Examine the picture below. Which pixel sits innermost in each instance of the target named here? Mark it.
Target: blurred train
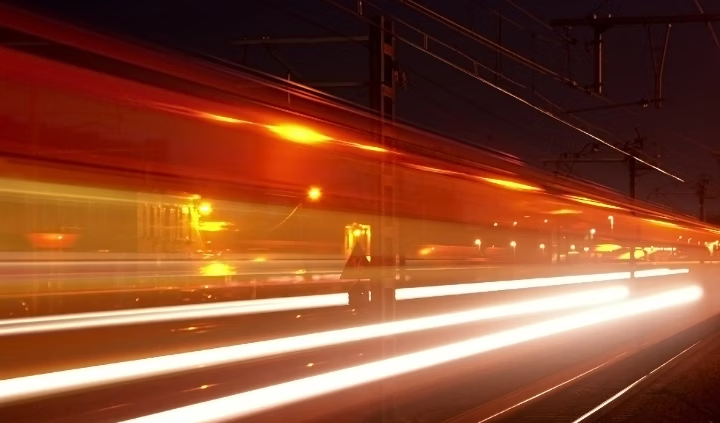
(118, 152)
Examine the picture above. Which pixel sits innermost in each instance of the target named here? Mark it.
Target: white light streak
(51, 383)
(481, 287)
(162, 314)
(77, 321)
(263, 399)
(659, 272)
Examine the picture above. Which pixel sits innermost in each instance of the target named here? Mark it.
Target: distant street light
(205, 209)
(314, 193)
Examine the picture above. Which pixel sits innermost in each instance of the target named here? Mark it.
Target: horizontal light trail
(29, 325)
(481, 287)
(659, 272)
(77, 321)
(252, 402)
(51, 383)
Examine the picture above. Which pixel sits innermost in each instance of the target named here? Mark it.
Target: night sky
(682, 136)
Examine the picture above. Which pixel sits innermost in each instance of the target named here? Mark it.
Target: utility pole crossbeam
(632, 149)
(632, 168)
(600, 25)
(642, 103)
(700, 192)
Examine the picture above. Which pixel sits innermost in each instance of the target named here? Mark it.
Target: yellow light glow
(432, 169)
(217, 269)
(565, 211)
(314, 193)
(517, 186)
(298, 134)
(220, 118)
(213, 226)
(607, 248)
(205, 209)
(426, 251)
(662, 223)
(591, 202)
(367, 147)
(513, 244)
(357, 232)
(638, 255)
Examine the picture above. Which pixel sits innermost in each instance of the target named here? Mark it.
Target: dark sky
(683, 133)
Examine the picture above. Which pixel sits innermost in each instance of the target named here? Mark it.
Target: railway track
(674, 380)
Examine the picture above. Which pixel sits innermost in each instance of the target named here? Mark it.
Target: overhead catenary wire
(486, 41)
(584, 122)
(528, 103)
(588, 124)
(465, 31)
(469, 101)
(515, 23)
(319, 22)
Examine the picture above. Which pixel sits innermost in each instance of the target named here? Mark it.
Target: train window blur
(120, 178)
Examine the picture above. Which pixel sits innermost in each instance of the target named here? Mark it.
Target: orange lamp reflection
(314, 193)
(205, 209)
(591, 202)
(517, 186)
(298, 134)
(213, 226)
(220, 118)
(565, 211)
(52, 240)
(607, 248)
(662, 223)
(426, 251)
(217, 269)
(432, 169)
(368, 147)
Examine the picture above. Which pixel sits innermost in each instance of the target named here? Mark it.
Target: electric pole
(633, 149)
(601, 24)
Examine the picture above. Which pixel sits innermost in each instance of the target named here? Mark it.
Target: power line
(315, 21)
(474, 75)
(465, 31)
(485, 41)
(451, 24)
(472, 103)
